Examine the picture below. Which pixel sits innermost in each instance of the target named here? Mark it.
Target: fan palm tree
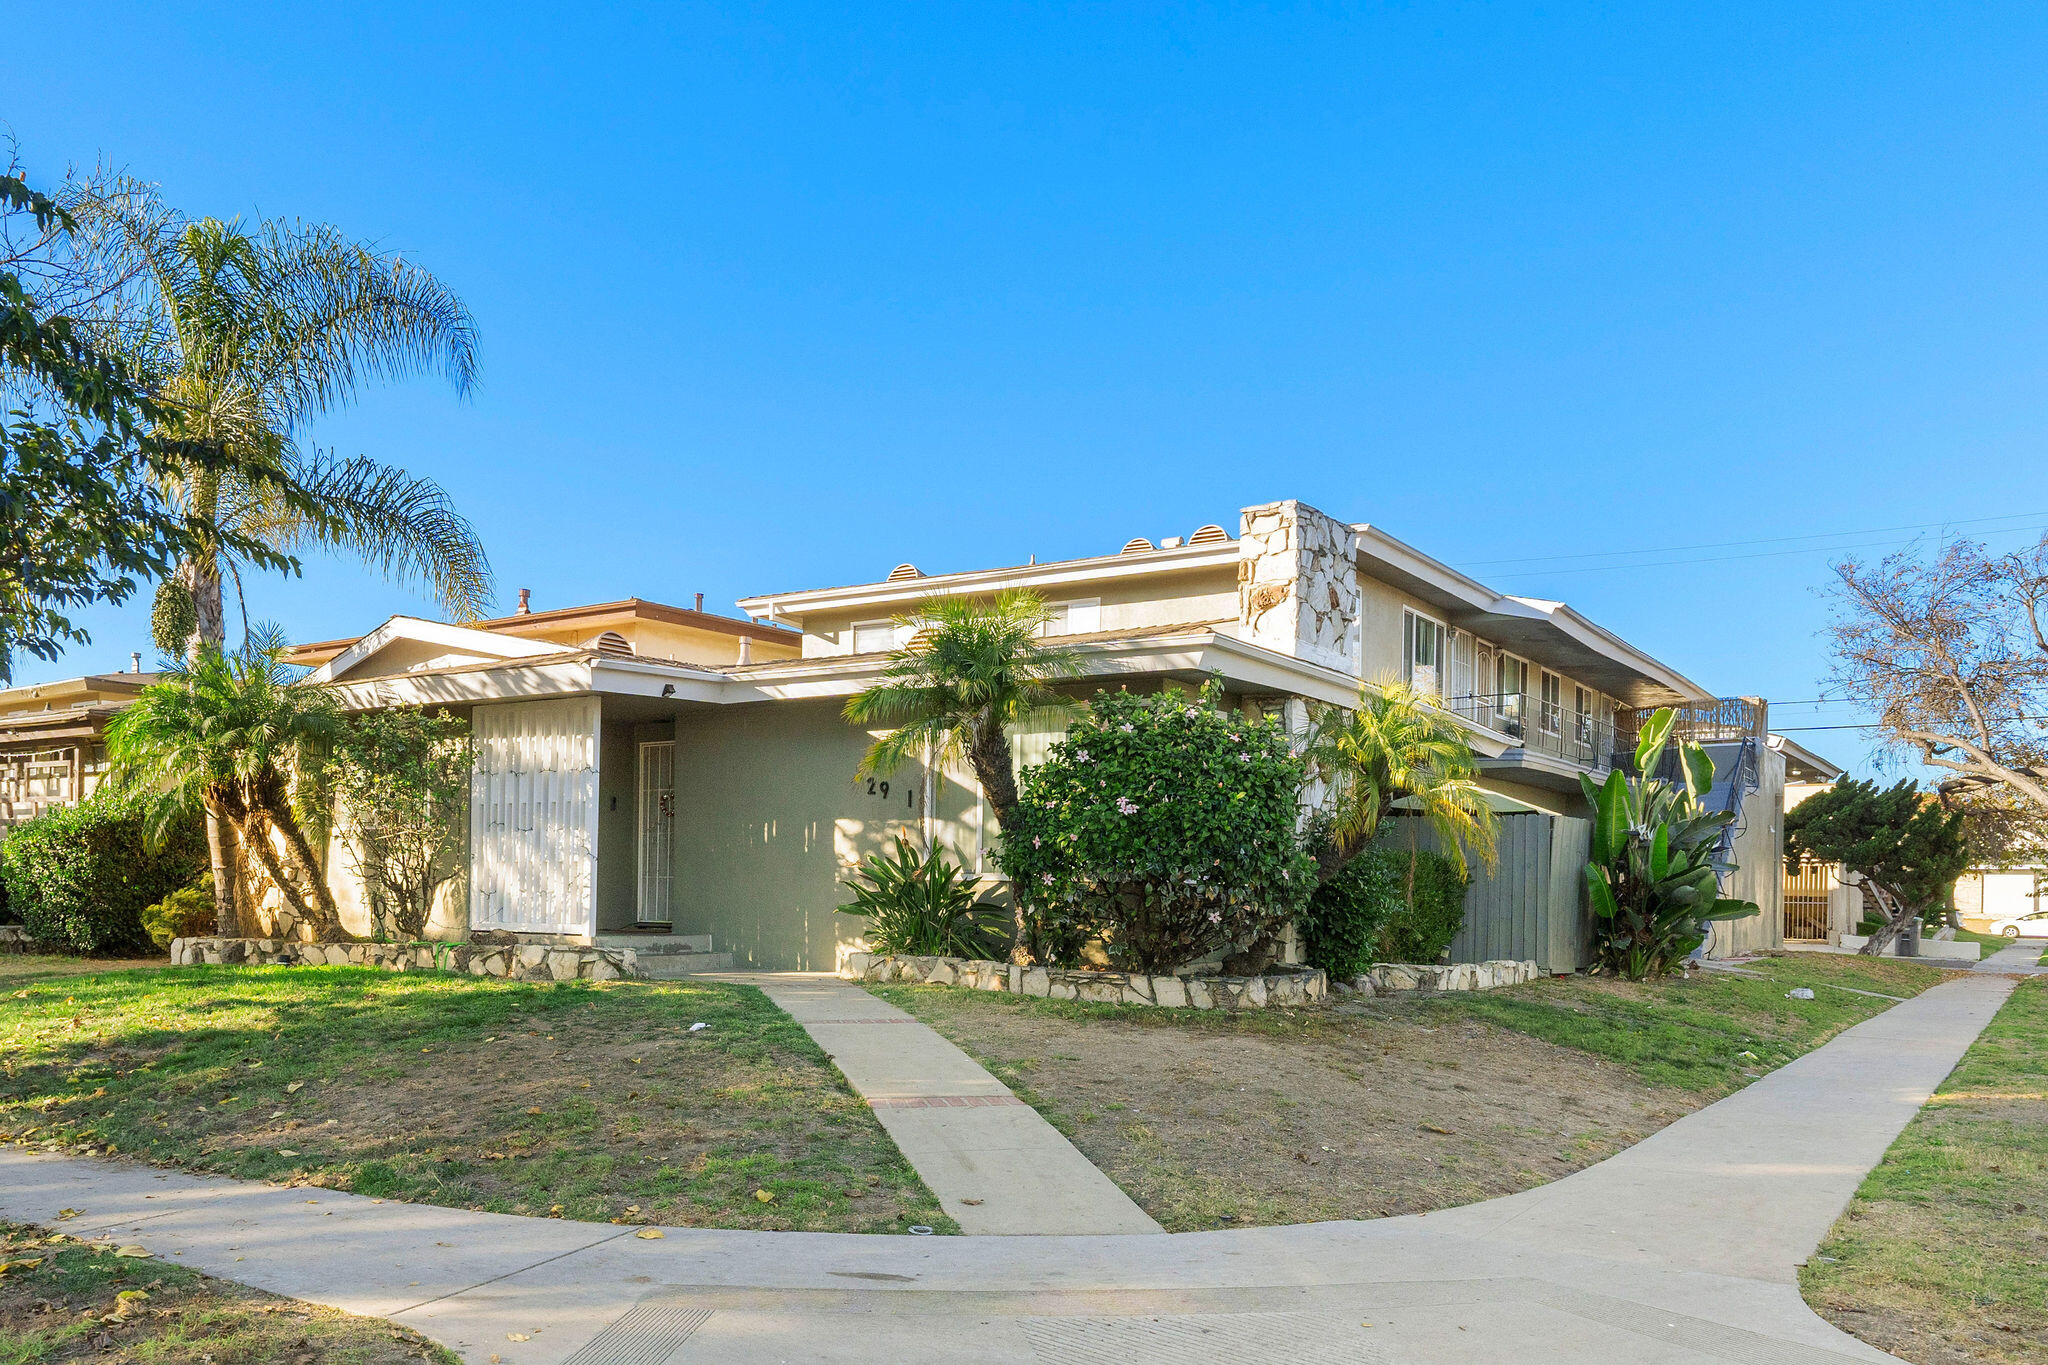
(233, 736)
(971, 669)
(247, 336)
(1398, 743)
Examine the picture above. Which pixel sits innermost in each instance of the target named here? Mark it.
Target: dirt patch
(1344, 1112)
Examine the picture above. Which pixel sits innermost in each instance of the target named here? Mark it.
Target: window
(1511, 676)
(1423, 651)
(874, 637)
(1553, 707)
(1585, 707)
(1073, 618)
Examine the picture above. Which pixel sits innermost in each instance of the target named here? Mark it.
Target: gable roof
(468, 639)
(595, 615)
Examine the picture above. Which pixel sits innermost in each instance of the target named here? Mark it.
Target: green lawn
(62, 1299)
(1943, 1255)
(573, 1099)
(1710, 1033)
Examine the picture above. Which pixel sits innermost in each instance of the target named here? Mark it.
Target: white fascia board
(467, 687)
(1372, 546)
(1603, 641)
(1063, 573)
(484, 642)
(640, 678)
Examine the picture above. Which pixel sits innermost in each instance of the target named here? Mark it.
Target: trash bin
(1908, 942)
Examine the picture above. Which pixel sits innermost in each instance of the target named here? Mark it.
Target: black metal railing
(1579, 737)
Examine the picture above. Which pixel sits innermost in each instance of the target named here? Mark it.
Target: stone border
(1387, 977)
(14, 939)
(1297, 986)
(512, 962)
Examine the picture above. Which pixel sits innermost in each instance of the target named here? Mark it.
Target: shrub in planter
(922, 904)
(1429, 906)
(81, 876)
(1165, 826)
(1340, 931)
(186, 913)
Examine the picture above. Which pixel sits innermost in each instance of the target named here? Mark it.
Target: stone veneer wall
(1454, 976)
(513, 962)
(1297, 588)
(1299, 987)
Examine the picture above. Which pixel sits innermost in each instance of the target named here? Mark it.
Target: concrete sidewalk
(1682, 1250)
(2022, 958)
(995, 1164)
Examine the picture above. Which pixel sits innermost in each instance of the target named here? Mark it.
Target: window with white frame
(1553, 706)
(1586, 704)
(1083, 617)
(1422, 640)
(874, 637)
(1511, 684)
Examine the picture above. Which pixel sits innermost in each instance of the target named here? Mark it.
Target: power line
(1768, 540)
(1761, 554)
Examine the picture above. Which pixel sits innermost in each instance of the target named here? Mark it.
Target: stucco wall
(768, 820)
(1760, 866)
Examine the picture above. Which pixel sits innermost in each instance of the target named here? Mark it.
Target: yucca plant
(1651, 881)
(922, 903)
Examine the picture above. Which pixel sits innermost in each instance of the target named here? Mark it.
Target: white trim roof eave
(484, 642)
(1384, 557)
(906, 592)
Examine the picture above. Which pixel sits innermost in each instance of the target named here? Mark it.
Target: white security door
(657, 829)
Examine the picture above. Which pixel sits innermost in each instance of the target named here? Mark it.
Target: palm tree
(1398, 743)
(233, 736)
(970, 670)
(247, 336)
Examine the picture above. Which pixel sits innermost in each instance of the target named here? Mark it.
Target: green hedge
(82, 876)
(1363, 915)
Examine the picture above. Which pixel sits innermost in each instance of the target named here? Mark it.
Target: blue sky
(776, 297)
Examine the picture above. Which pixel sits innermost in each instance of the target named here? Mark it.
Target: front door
(657, 830)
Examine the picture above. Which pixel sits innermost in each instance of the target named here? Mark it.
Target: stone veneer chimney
(1297, 584)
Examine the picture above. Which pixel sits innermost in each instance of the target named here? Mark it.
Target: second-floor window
(1553, 706)
(1424, 646)
(874, 637)
(1072, 618)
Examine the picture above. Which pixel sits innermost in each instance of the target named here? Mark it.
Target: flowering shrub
(1162, 825)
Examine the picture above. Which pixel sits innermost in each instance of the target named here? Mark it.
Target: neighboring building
(644, 766)
(1821, 902)
(51, 752)
(1989, 898)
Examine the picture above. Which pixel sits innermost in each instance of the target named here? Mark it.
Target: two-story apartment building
(642, 766)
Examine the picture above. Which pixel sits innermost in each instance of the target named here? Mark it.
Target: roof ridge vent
(614, 645)
(1212, 534)
(902, 572)
(1135, 545)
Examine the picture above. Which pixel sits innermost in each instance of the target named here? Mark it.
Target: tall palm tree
(970, 670)
(247, 336)
(1398, 743)
(233, 736)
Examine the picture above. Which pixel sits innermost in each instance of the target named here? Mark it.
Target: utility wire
(1761, 554)
(1768, 540)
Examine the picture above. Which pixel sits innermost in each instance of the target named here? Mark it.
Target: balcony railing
(1581, 738)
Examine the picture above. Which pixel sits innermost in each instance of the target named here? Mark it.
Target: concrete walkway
(1681, 1250)
(994, 1163)
(2023, 958)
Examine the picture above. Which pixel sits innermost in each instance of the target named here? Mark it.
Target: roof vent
(614, 645)
(902, 572)
(1170, 542)
(1211, 534)
(1135, 545)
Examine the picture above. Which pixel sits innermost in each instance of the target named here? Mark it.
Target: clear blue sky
(779, 298)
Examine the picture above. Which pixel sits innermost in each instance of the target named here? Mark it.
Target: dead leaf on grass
(1432, 1128)
(764, 1196)
(131, 1252)
(295, 1087)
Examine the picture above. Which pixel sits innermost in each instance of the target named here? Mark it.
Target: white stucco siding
(533, 816)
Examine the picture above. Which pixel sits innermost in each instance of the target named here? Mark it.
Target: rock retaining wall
(1452, 976)
(1296, 987)
(513, 962)
(14, 939)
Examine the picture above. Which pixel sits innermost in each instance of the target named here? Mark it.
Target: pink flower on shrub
(1126, 806)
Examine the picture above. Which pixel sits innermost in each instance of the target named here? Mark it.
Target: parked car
(2024, 924)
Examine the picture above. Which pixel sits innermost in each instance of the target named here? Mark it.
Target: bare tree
(1949, 650)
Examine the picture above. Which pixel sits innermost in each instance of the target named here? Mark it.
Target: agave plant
(1651, 881)
(922, 903)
